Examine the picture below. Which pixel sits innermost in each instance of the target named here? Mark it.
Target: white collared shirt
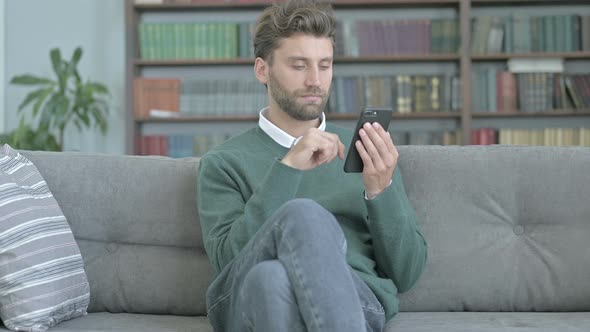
(279, 135)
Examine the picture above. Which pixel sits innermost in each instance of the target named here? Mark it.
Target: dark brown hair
(282, 20)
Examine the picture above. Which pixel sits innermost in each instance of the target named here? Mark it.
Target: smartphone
(353, 162)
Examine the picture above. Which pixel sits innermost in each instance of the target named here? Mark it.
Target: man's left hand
(379, 156)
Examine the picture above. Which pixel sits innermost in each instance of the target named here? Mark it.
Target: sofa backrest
(136, 222)
(508, 227)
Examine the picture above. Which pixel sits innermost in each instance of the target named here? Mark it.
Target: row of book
(492, 91)
(177, 146)
(183, 146)
(159, 41)
(521, 34)
(216, 40)
(222, 97)
(503, 91)
(536, 137)
(403, 93)
(396, 37)
(170, 97)
(182, 2)
(491, 34)
(488, 136)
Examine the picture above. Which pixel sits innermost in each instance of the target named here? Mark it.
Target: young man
(297, 244)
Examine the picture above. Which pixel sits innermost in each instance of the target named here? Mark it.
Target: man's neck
(293, 127)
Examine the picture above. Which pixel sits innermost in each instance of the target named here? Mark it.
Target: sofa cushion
(507, 227)
(103, 321)
(136, 221)
(489, 322)
(42, 278)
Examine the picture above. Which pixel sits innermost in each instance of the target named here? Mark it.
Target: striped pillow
(42, 277)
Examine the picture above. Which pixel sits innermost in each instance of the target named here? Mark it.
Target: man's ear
(261, 69)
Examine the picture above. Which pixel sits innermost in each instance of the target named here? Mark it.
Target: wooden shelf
(193, 62)
(517, 114)
(370, 59)
(503, 57)
(213, 5)
(337, 60)
(399, 116)
(394, 3)
(399, 58)
(527, 2)
(329, 116)
(200, 118)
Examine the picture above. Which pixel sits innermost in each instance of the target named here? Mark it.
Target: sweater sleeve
(228, 221)
(400, 249)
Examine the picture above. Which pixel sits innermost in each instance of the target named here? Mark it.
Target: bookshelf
(549, 17)
(461, 64)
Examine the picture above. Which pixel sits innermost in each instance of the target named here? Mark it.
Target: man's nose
(313, 77)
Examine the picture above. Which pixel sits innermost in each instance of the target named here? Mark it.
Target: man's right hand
(315, 148)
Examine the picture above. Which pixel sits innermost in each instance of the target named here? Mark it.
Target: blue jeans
(293, 276)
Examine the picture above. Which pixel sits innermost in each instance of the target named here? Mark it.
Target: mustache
(315, 92)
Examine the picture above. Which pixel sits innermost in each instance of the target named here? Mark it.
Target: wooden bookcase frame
(464, 58)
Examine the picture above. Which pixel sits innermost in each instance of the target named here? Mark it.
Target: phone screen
(353, 162)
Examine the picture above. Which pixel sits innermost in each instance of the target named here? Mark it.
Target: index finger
(386, 136)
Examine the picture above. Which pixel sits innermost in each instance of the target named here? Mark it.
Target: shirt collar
(277, 134)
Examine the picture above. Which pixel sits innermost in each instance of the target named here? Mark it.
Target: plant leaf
(85, 118)
(61, 68)
(20, 132)
(30, 97)
(6, 138)
(39, 102)
(76, 56)
(30, 80)
(61, 113)
(56, 61)
(78, 79)
(98, 87)
(104, 105)
(48, 112)
(99, 117)
(71, 66)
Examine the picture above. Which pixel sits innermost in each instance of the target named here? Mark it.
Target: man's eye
(326, 67)
(299, 67)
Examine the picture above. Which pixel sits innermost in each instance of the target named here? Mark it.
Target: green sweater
(242, 182)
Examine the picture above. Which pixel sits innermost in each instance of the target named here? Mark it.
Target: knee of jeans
(266, 281)
(308, 216)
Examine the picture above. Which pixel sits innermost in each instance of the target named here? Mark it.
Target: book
(535, 65)
(507, 94)
(162, 94)
(151, 145)
(148, 2)
(584, 26)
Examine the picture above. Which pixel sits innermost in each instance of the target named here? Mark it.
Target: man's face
(300, 76)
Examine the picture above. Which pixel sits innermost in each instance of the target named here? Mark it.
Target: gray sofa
(508, 231)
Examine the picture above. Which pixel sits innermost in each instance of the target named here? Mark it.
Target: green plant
(62, 100)
(26, 138)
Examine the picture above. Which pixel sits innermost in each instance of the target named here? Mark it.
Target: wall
(2, 33)
(33, 27)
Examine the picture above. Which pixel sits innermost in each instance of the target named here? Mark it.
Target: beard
(304, 111)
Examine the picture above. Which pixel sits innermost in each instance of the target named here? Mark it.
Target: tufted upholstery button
(518, 230)
(112, 247)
